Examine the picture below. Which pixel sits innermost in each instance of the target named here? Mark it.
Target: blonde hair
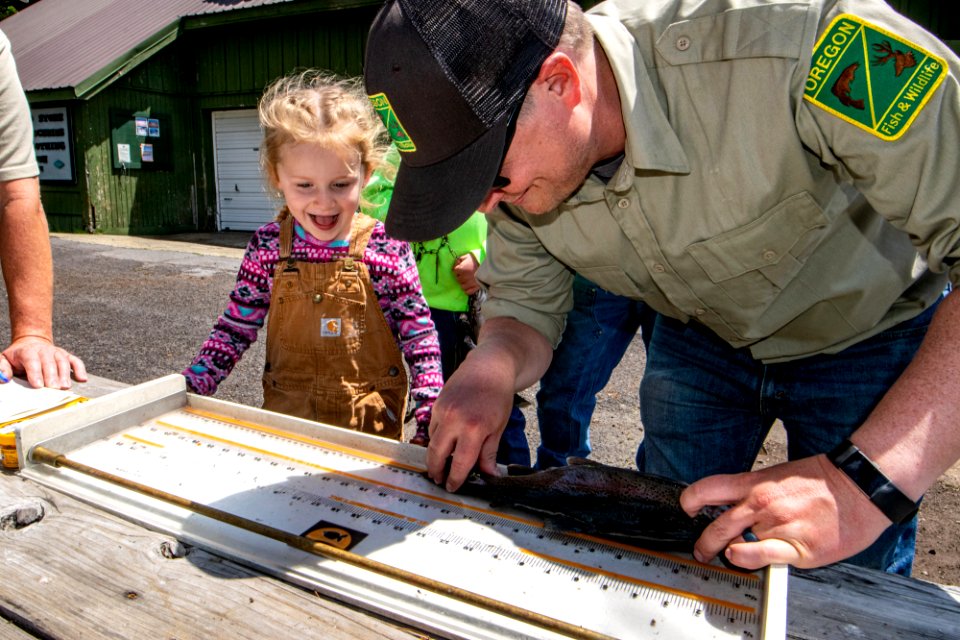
(319, 108)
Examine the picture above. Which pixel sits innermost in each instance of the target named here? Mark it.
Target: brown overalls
(331, 356)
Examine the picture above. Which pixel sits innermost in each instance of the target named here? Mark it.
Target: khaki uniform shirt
(17, 159)
(740, 204)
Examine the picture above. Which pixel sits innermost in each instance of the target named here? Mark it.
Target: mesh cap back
(445, 75)
(490, 51)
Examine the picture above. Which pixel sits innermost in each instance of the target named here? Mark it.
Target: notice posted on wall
(52, 142)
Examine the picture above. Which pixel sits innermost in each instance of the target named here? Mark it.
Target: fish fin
(519, 470)
(555, 525)
(574, 461)
(560, 523)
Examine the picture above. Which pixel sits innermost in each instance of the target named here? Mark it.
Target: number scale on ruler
(390, 513)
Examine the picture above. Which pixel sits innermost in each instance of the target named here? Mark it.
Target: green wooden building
(144, 110)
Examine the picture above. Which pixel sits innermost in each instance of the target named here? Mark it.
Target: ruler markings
(463, 505)
(554, 563)
(423, 527)
(370, 457)
(288, 435)
(314, 443)
(143, 441)
(370, 507)
(645, 583)
(606, 579)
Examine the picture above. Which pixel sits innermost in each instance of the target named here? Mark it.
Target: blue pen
(3, 378)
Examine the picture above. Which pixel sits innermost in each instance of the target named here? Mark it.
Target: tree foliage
(10, 7)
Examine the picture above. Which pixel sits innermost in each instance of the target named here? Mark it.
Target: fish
(597, 499)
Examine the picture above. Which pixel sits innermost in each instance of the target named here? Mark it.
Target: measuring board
(367, 496)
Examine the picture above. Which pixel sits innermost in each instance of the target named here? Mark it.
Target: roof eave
(121, 66)
(202, 21)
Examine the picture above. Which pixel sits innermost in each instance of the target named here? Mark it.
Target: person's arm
(472, 410)
(237, 327)
(808, 513)
(28, 275)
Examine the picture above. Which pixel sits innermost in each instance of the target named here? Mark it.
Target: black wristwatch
(882, 493)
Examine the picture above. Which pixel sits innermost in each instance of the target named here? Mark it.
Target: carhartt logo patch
(330, 327)
(390, 120)
(871, 78)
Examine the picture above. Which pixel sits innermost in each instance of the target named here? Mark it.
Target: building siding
(204, 70)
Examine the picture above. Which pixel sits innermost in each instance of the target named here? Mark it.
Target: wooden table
(80, 572)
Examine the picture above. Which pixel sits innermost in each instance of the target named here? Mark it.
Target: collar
(651, 142)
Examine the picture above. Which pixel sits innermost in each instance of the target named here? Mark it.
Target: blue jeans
(599, 329)
(706, 407)
(514, 448)
(451, 332)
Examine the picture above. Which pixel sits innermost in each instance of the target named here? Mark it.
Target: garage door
(244, 204)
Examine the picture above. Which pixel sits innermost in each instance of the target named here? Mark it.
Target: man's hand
(472, 410)
(43, 363)
(467, 421)
(805, 513)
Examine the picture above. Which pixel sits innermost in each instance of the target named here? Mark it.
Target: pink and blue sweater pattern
(393, 274)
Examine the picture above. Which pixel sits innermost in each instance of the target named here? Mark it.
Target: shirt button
(700, 311)
(683, 43)
(769, 255)
(318, 297)
(659, 268)
(623, 203)
(393, 372)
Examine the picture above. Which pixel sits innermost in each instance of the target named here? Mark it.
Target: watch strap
(865, 474)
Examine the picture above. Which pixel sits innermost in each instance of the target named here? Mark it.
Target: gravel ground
(135, 309)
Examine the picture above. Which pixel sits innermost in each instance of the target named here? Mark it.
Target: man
(25, 247)
(784, 198)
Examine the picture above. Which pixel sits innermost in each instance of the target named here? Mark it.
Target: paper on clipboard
(19, 402)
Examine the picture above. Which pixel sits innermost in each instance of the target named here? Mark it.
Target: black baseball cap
(446, 76)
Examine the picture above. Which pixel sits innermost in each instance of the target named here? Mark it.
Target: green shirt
(740, 204)
(435, 258)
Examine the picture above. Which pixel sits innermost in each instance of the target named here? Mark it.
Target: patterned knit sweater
(393, 274)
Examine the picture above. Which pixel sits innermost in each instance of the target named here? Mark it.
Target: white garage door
(244, 204)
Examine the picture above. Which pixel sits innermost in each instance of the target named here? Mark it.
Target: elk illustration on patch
(870, 77)
(901, 60)
(841, 88)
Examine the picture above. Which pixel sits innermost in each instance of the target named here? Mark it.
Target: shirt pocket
(752, 264)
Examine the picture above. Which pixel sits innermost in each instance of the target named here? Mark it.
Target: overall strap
(363, 226)
(349, 274)
(286, 243)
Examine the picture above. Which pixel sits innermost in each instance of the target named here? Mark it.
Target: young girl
(343, 299)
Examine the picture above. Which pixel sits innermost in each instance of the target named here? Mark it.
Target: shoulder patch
(870, 77)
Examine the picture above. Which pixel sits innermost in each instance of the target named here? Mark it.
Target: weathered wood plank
(843, 601)
(10, 631)
(79, 572)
